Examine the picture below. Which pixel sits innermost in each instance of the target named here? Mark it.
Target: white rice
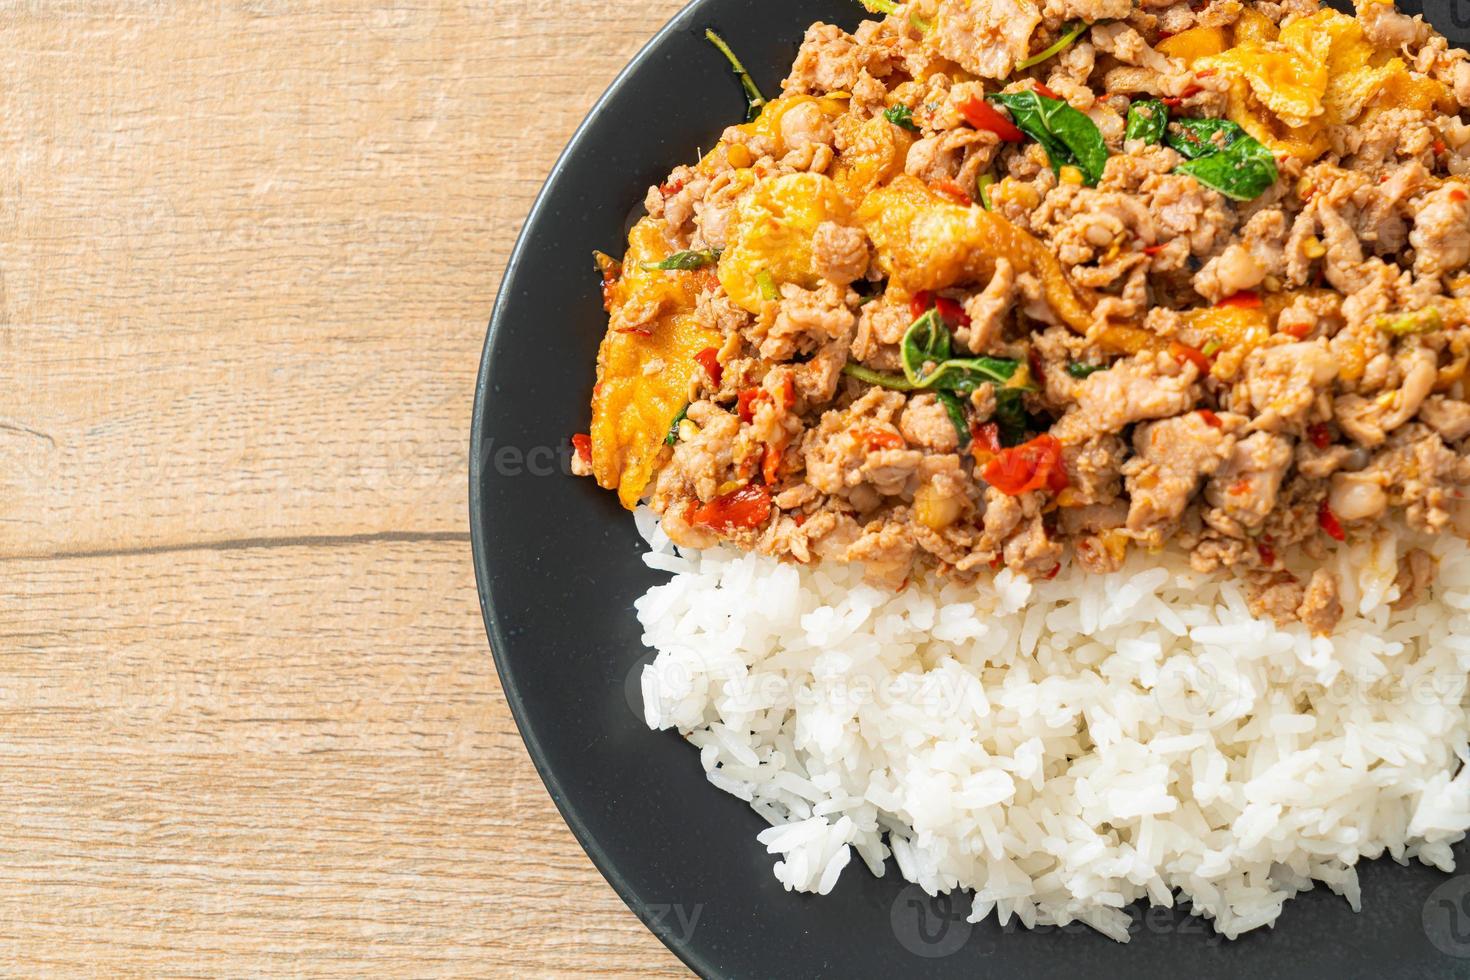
(1065, 748)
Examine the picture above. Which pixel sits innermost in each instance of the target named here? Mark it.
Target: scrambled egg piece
(645, 364)
(875, 153)
(1196, 43)
(769, 241)
(926, 242)
(1287, 87)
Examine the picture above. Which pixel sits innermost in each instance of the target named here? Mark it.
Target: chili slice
(951, 311)
(1184, 352)
(876, 439)
(745, 403)
(983, 116)
(1329, 522)
(1034, 465)
(709, 359)
(771, 464)
(582, 443)
(1211, 419)
(747, 507)
(788, 391)
(1320, 435)
(984, 440)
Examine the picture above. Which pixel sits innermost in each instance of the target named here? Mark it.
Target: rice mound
(1066, 748)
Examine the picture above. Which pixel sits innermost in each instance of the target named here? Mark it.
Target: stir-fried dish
(1003, 283)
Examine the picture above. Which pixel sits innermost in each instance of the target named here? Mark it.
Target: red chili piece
(745, 403)
(1184, 352)
(747, 507)
(1330, 523)
(709, 359)
(983, 116)
(1034, 465)
(582, 443)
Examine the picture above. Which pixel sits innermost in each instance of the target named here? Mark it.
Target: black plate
(558, 567)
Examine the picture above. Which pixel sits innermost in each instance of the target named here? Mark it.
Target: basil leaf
(1242, 172)
(1066, 134)
(673, 435)
(963, 376)
(902, 116)
(956, 411)
(685, 261)
(754, 101)
(1147, 120)
(1195, 138)
(1079, 370)
(880, 6)
(926, 340)
(1010, 416)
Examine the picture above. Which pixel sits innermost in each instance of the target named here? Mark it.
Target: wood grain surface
(248, 721)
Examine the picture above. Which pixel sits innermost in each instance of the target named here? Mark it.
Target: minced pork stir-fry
(998, 282)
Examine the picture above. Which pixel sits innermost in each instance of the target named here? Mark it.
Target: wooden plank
(248, 250)
(279, 760)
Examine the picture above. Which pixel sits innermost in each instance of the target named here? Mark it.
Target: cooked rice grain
(1066, 748)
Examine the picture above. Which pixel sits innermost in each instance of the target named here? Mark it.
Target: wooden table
(250, 722)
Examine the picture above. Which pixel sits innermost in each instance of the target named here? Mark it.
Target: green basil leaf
(1147, 120)
(902, 116)
(963, 376)
(1079, 370)
(673, 435)
(880, 6)
(925, 341)
(1195, 138)
(1066, 134)
(1010, 416)
(685, 261)
(754, 100)
(1242, 172)
(955, 408)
